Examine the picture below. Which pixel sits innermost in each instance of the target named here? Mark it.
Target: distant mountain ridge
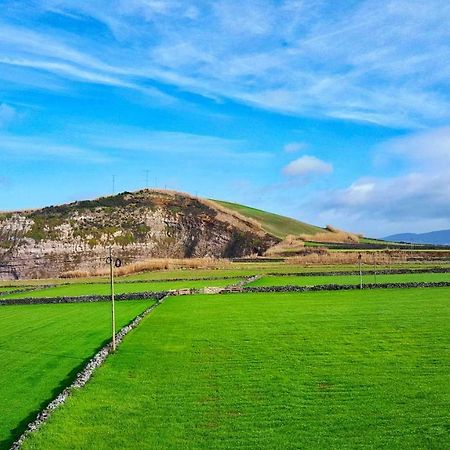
(441, 237)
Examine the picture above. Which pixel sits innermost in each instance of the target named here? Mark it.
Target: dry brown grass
(323, 256)
(289, 244)
(152, 265)
(234, 217)
(332, 235)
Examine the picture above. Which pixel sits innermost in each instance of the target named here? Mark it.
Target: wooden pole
(374, 267)
(113, 310)
(360, 272)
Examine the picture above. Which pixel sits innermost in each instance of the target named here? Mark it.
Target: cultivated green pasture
(349, 279)
(120, 288)
(41, 349)
(249, 269)
(317, 370)
(231, 270)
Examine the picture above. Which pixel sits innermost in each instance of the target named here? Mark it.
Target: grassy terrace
(349, 279)
(41, 349)
(249, 269)
(274, 224)
(354, 369)
(74, 290)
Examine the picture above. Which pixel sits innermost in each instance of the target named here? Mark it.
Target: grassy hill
(275, 224)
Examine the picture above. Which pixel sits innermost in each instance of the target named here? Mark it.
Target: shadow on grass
(67, 381)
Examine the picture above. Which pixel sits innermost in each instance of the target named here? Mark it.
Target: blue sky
(331, 112)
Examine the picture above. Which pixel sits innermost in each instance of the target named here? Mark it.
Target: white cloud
(430, 148)
(294, 147)
(416, 200)
(307, 166)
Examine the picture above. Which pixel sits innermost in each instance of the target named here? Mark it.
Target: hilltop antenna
(113, 184)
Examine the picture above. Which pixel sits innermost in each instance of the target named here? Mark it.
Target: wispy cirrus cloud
(42, 148)
(294, 147)
(66, 56)
(124, 140)
(108, 143)
(347, 61)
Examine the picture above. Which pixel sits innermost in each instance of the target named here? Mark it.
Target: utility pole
(360, 272)
(112, 264)
(374, 267)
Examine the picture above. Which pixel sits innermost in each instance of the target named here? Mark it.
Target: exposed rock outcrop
(139, 225)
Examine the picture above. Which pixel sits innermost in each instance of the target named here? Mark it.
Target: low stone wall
(225, 290)
(82, 378)
(167, 280)
(83, 299)
(343, 287)
(364, 272)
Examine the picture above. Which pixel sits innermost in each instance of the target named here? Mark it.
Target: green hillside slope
(275, 224)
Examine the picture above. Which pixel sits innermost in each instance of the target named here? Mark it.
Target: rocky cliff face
(139, 225)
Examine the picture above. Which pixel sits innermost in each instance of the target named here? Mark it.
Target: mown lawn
(41, 349)
(320, 370)
(349, 279)
(120, 288)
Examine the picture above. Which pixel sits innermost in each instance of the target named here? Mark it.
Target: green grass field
(120, 288)
(41, 349)
(321, 370)
(279, 226)
(349, 279)
(247, 269)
